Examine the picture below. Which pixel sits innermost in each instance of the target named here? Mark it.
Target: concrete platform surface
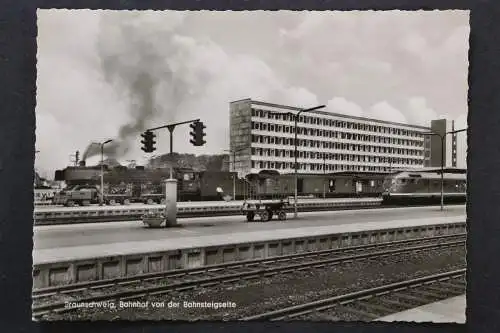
(451, 310)
(184, 238)
(62, 236)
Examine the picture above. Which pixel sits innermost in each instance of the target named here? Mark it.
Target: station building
(262, 138)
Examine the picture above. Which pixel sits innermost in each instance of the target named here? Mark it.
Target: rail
(54, 299)
(373, 299)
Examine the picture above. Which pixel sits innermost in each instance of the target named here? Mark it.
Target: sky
(111, 74)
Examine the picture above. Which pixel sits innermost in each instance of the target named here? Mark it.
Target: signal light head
(197, 133)
(148, 142)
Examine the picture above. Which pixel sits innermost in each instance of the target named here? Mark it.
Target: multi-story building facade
(262, 138)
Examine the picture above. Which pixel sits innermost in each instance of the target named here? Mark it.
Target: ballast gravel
(245, 298)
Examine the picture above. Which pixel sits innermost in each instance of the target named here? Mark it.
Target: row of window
(316, 166)
(378, 140)
(330, 156)
(308, 119)
(335, 145)
(333, 134)
(371, 159)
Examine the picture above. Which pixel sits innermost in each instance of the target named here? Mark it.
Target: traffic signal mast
(197, 134)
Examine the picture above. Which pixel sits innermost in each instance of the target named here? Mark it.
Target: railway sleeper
(400, 305)
(376, 307)
(352, 309)
(411, 298)
(444, 289)
(431, 294)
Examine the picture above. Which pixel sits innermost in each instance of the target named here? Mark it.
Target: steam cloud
(141, 57)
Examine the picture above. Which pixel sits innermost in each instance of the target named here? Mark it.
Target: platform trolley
(265, 209)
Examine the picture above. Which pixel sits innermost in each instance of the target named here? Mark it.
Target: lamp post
(234, 167)
(324, 173)
(295, 166)
(102, 170)
(442, 137)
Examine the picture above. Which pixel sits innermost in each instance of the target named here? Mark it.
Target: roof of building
(293, 108)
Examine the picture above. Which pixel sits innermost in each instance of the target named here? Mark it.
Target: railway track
(374, 303)
(181, 215)
(56, 299)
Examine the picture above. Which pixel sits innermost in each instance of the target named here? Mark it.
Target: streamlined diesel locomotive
(425, 187)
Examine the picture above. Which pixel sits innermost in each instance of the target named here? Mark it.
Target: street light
(442, 137)
(234, 167)
(324, 172)
(102, 170)
(295, 166)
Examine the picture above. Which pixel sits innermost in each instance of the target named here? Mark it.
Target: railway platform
(451, 310)
(65, 237)
(65, 255)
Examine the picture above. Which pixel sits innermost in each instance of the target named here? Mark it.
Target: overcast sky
(110, 74)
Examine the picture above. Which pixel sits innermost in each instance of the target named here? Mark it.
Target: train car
(340, 184)
(414, 188)
(267, 184)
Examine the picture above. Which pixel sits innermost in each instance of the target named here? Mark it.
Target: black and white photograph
(253, 165)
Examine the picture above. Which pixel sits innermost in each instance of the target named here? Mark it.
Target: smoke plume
(142, 58)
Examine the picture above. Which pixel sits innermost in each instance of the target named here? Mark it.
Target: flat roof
(293, 108)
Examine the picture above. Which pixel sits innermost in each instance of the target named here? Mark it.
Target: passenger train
(424, 188)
